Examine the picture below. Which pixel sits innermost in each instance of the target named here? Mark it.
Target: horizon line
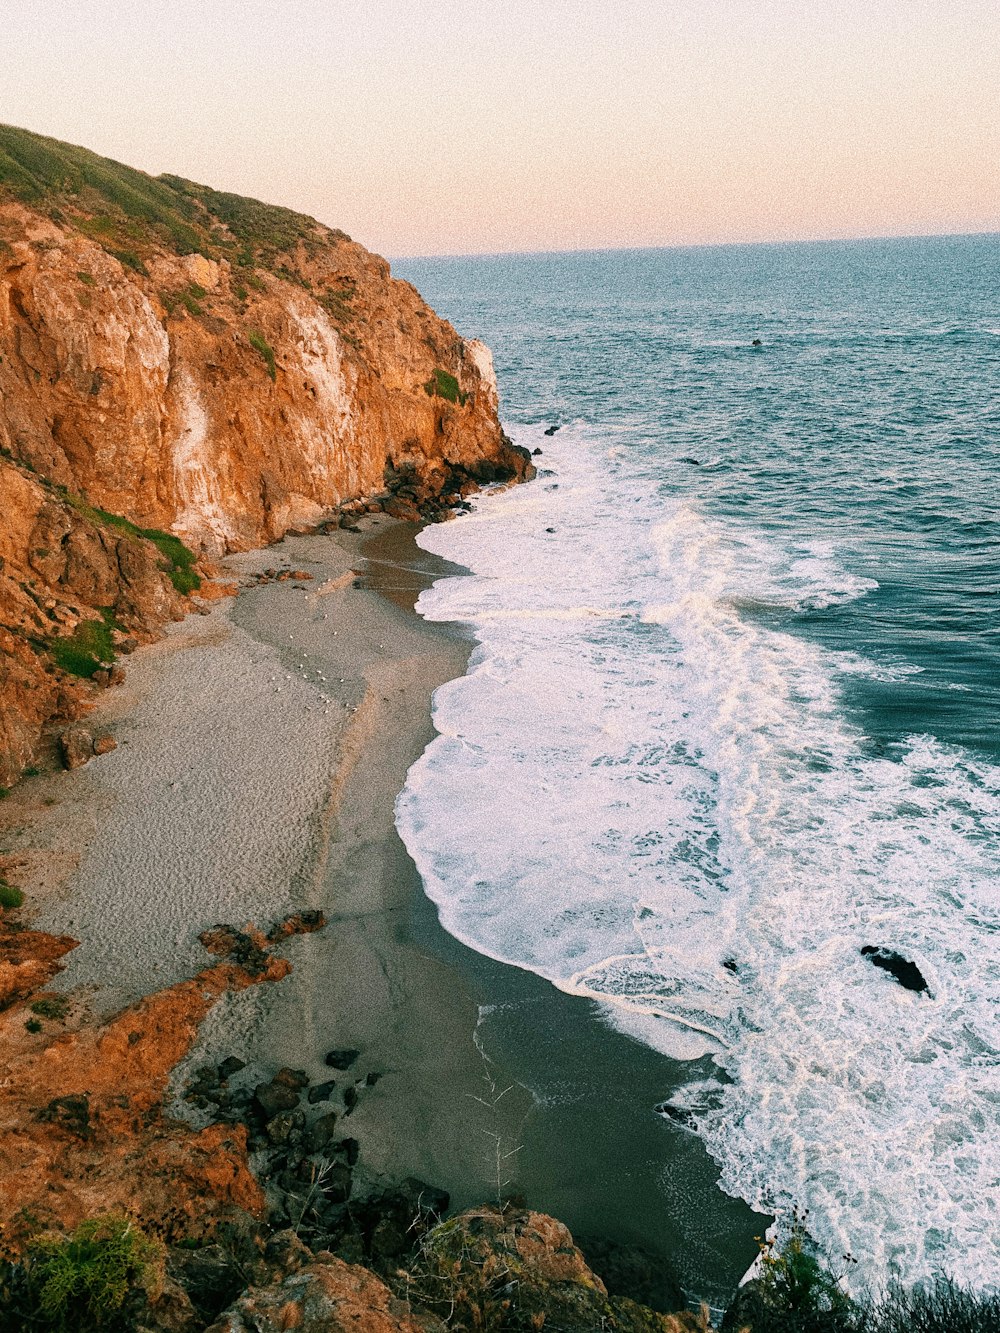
(693, 245)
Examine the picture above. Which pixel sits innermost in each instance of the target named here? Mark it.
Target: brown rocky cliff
(202, 365)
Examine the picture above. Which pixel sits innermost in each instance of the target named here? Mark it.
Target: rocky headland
(183, 373)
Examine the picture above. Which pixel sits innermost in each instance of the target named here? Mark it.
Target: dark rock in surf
(901, 969)
(694, 462)
(756, 343)
(551, 430)
(535, 453)
(677, 1114)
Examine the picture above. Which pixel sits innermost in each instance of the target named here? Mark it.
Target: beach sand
(261, 748)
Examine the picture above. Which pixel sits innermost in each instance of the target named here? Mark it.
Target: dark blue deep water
(740, 650)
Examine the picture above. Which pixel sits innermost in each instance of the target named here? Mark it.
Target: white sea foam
(684, 825)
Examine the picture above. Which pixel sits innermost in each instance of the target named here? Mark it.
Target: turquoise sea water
(735, 704)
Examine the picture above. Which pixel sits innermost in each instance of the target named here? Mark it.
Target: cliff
(182, 368)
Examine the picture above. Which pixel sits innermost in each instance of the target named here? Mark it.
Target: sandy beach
(260, 750)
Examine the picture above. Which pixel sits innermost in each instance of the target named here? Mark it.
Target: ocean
(733, 714)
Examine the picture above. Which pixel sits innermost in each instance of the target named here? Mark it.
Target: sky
(427, 127)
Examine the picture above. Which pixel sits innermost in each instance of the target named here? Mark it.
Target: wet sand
(261, 749)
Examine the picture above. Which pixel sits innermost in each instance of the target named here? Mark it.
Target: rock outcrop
(83, 1130)
(179, 365)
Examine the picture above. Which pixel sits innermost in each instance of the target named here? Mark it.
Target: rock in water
(902, 969)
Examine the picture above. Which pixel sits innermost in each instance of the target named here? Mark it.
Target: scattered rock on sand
(274, 1097)
(342, 1059)
(320, 1132)
(322, 1092)
(105, 744)
(76, 745)
(291, 1078)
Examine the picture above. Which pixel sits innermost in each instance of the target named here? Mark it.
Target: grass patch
(10, 898)
(189, 297)
(444, 385)
(177, 561)
(87, 278)
(129, 259)
(260, 344)
(51, 1006)
(87, 649)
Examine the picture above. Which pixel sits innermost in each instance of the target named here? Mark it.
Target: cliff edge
(185, 371)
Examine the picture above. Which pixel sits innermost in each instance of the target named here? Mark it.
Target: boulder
(513, 1269)
(275, 1097)
(342, 1059)
(105, 744)
(320, 1132)
(76, 745)
(327, 1296)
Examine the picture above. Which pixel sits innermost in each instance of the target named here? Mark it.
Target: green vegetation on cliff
(128, 212)
(88, 648)
(177, 561)
(442, 384)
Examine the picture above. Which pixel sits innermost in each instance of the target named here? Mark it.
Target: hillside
(187, 372)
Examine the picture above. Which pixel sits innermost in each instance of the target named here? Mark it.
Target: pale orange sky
(438, 127)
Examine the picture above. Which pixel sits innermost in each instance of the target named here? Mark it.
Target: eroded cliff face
(203, 366)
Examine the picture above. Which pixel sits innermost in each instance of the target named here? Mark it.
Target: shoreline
(425, 1011)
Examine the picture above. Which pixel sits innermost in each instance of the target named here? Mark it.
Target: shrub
(10, 897)
(51, 1006)
(260, 344)
(794, 1293)
(81, 1282)
(129, 259)
(939, 1307)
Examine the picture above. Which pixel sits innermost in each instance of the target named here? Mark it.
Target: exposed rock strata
(82, 1128)
(205, 366)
